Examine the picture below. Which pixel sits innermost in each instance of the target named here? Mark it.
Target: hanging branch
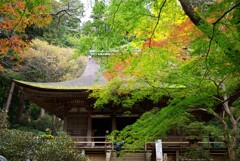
(158, 19)
(63, 12)
(196, 19)
(214, 26)
(114, 15)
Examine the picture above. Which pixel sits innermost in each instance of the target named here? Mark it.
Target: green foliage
(145, 78)
(4, 88)
(27, 123)
(200, 74)
(18, 145)
(65, 24)
(3, 120)
(196, 128)
(42, 123)
(195, 154)
(238, 153)
(50, 149)
(33, 110)
(151, 126)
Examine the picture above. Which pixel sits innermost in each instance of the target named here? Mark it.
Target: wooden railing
(168, 143)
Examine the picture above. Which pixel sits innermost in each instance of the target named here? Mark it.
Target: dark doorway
(99, 127)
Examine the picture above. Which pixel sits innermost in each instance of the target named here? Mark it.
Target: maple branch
(215, 83)
(24, 11)
(210, 111)
(63, 11)
(158, 19)
(114, 15)
(221, 119)
(149, 15)
(155, 87)
(214, 25)
(59, 18)
(229, 98)
(237, 120)
(225, 13)
(197, 20)
(216, 98)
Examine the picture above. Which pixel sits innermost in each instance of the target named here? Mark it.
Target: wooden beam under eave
(9, 97)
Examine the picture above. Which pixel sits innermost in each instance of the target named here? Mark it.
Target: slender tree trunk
(231, 141)
(232, 149)
(232, 152)
(230, 138)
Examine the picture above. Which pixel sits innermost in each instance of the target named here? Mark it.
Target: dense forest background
(185, 50)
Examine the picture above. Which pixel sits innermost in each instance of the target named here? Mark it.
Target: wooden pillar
(114, 123)
(89, 130)
(9, 97)
(21, 106)
(65, 123)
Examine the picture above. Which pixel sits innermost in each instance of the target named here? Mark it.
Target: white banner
(159, 152)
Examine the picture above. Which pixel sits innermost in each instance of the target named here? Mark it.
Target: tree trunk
(189, 11)
(231, 140)
(211, 31)
(232, 149)
(232, 153)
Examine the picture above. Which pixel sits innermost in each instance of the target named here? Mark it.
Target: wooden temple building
(88, 126)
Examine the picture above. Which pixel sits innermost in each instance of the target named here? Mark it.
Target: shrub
(18, 145)
(195, 154)
(58, 148)
(42, 123)
(3, 120)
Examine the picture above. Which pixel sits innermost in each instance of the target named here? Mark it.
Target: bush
(42, 123)
(17, 145)
(3, 120)
(57, 149)
(196, 154)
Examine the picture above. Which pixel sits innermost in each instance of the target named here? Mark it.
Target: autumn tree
(43, 63)
(190, 53)
(16, 17)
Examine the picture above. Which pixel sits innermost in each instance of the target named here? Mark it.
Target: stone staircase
(136, 156)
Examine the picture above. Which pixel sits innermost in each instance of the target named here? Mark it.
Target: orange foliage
(179, 37)
(109, 75)
(15, 18)
(118, 69)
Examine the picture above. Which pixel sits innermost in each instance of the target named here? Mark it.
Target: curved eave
(52, 87)
(57, 100)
